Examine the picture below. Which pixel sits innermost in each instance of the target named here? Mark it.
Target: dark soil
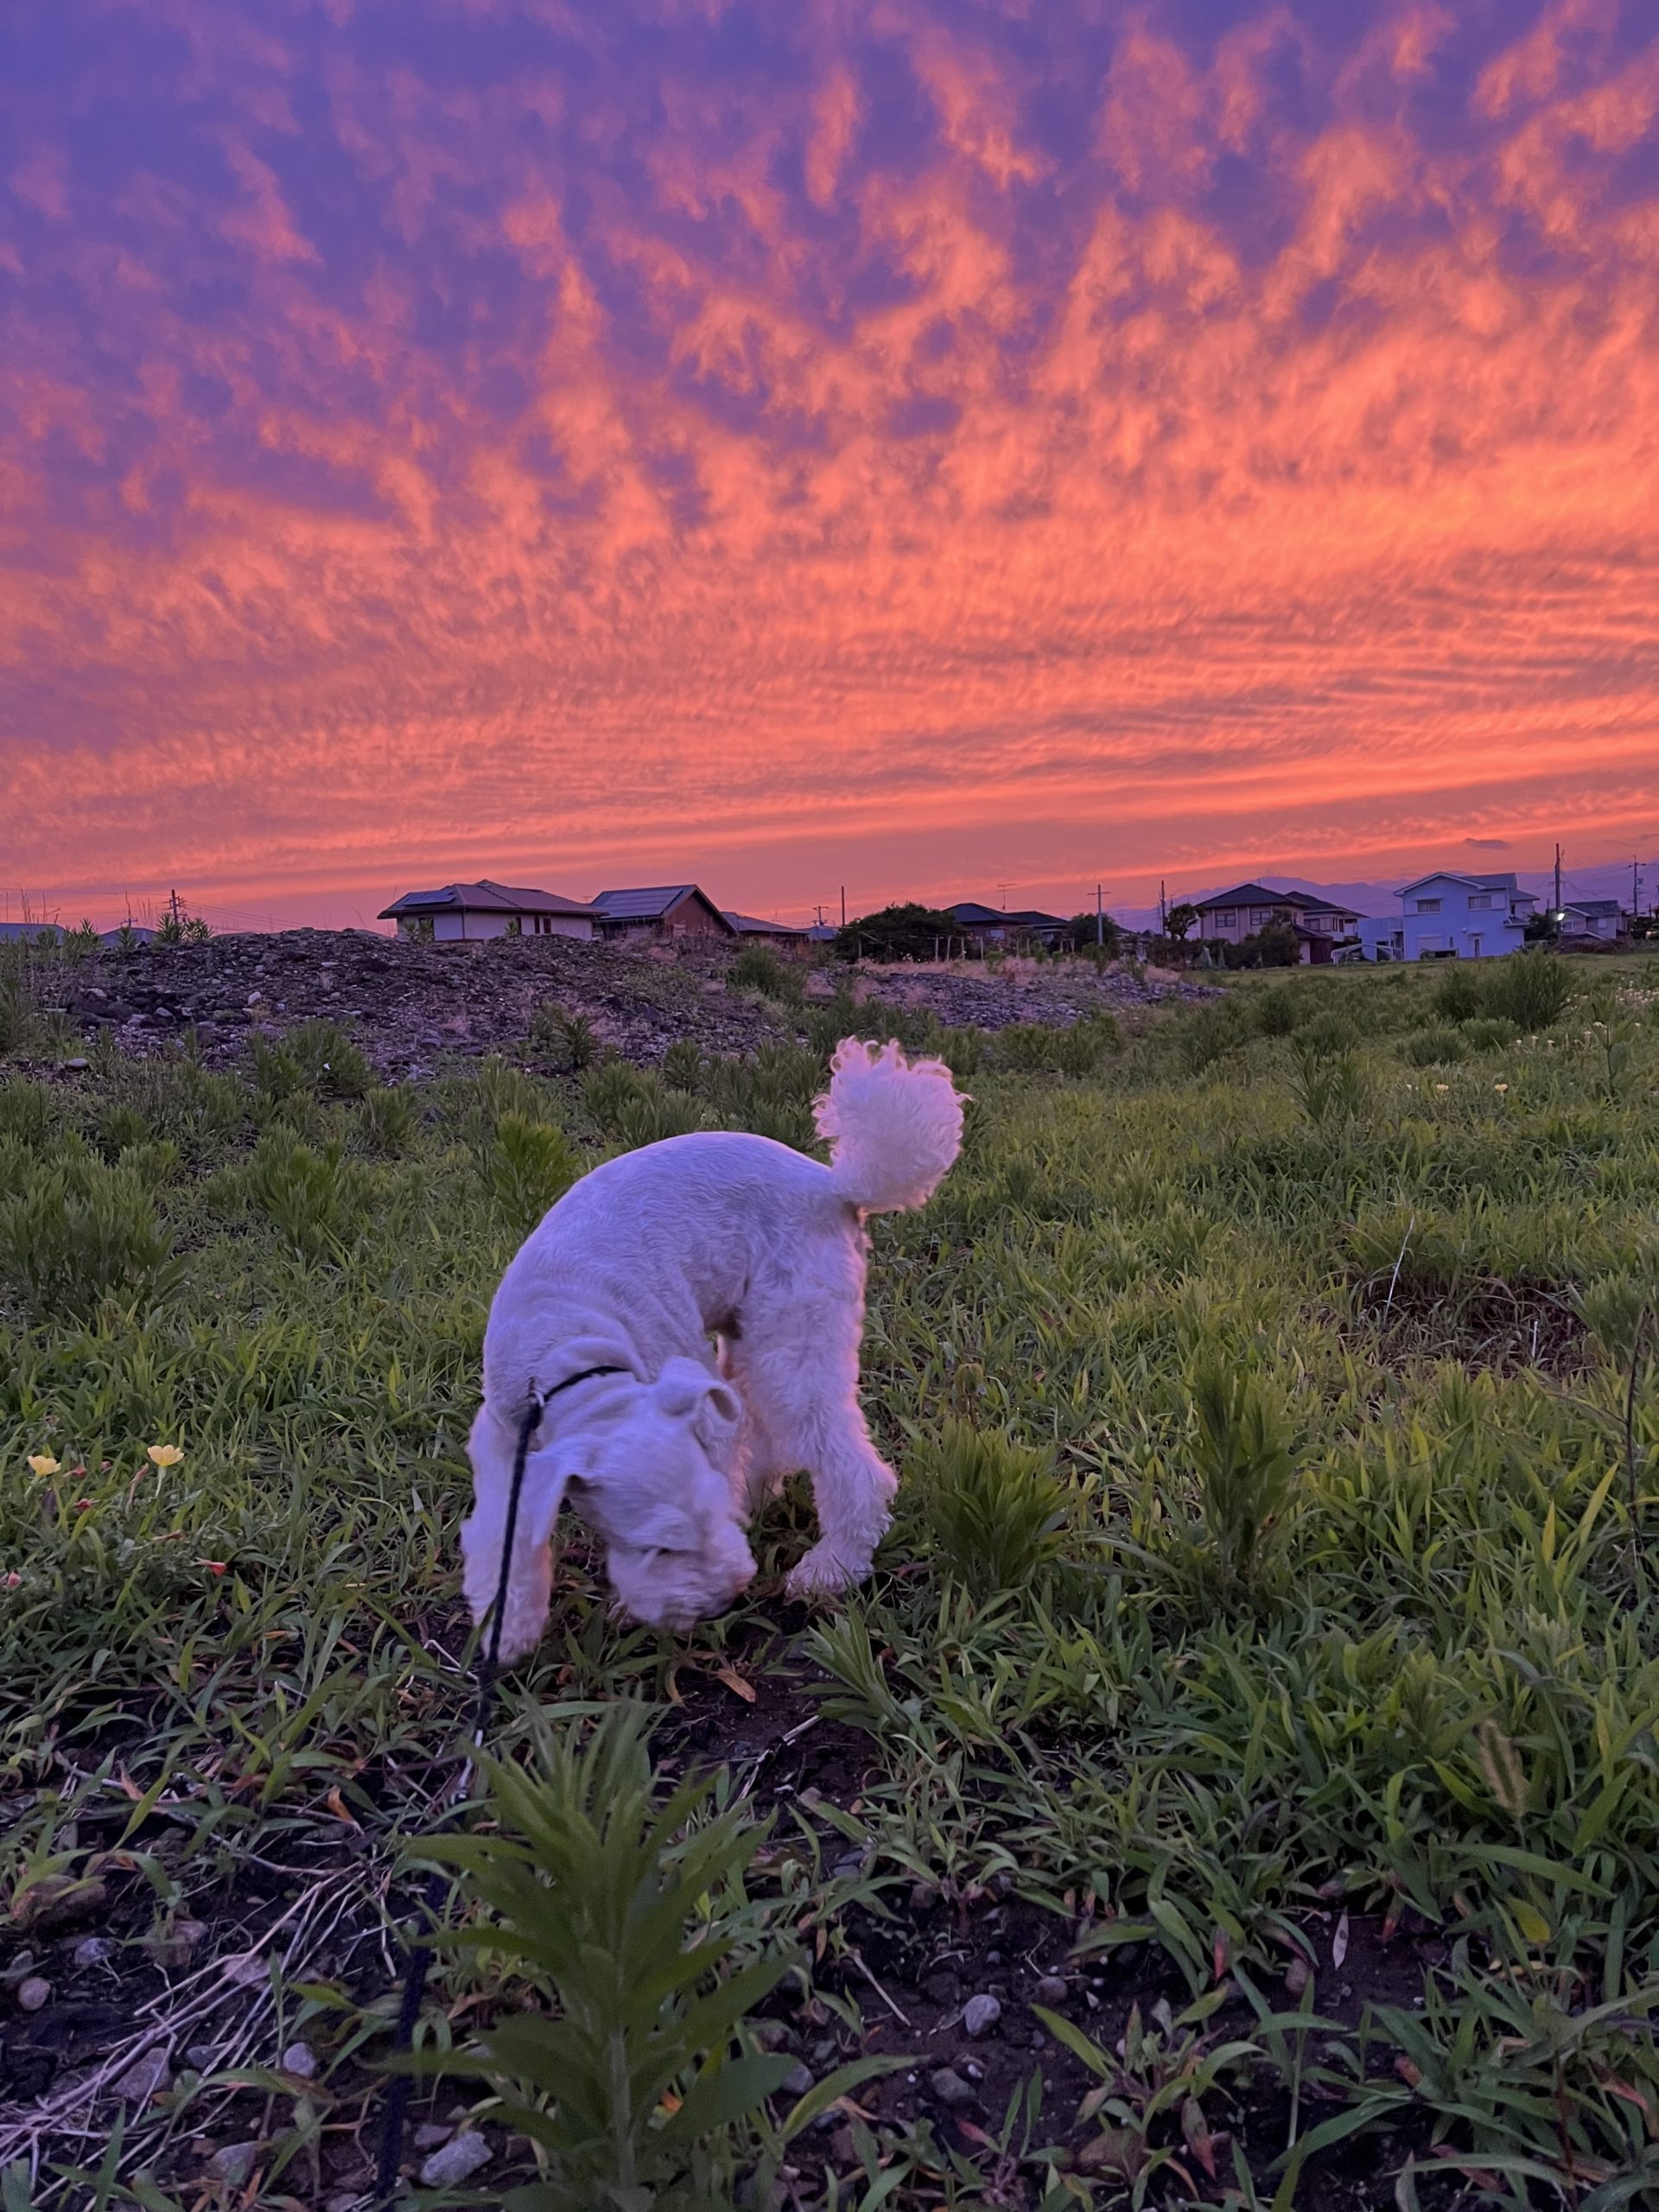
(1492, 1325)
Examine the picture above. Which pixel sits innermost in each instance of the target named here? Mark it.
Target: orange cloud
(873, 448)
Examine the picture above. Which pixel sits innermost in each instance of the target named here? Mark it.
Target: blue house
(1447, 916)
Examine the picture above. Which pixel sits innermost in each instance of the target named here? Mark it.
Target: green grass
(1277, 1398)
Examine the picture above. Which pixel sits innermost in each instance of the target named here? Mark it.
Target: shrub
(900, 932)
(1209, 1032)
(572, 1037)
(1461, 994)
(28, 1112)
(1242, 1460)
(531, 1166)
(683, 1065)
(78, 1232)
(1079, 1050)
(758, 967)
(1329, 1086)
(314, 1199)
(629, 1910)
(656, 1114)
(1490, 1034)
(277, 1074)
(386, 1122)
(1434, 1048)
(610, 1088)
(1531, 989)
(330, 1064)
(994, 1508)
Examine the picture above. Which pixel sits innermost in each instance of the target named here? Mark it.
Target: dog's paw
(825, 1573)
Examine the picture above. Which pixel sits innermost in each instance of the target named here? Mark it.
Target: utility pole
(1636, 888)
(173, 905)
(1100, 919)
(843, 906)
(1003, 888)
(1163, 910)
(1558, 879)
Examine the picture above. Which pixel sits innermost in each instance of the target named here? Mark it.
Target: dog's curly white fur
(723, 1275)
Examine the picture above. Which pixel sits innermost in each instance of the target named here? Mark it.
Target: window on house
(1479, 901)
(1226, 919)
(1428, 906)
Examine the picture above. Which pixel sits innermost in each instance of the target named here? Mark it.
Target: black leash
(420, 1948)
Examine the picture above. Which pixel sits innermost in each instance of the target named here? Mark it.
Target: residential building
(1249, 908)
(1449, 916)
(1599, 921)
(754, 931)
(674, 910)
(1002, 926)
(467, 912)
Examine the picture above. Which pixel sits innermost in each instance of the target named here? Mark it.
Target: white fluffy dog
(716, 1282)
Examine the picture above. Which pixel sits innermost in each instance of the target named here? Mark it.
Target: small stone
(458, 2161)
(92, 1951)
(1051, 1989)
(202, 2057)
(973, 2069)
(77, 1065)
(1296, 1975)
(799, 2080)
(234, 2164)
(33, 1994)
(298, 2059)
(923, 1896)
(993, 1957)
(981, 2014)
(431, 2134)
(343, 2200)
(769, 2035)
(143, 2079)
(950, 2088)
(174, 1947)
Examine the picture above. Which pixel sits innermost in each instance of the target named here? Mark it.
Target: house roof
(1474, 882)
(751, 925)
(482, 898)
(973, 913)
(1254, 895)
(1593, 907)
(650, 902)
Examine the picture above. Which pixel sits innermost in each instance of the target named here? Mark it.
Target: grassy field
(1256, 1696)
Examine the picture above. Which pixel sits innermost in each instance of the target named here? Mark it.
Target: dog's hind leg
(759, 1466)
(801, 1377)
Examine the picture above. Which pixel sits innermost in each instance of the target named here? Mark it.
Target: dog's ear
(686, 1392)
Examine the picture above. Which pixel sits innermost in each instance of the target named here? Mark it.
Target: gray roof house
(754, 931)
(1001, 924)
(669, 910)
(469, 912)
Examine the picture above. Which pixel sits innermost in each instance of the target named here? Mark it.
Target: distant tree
(900, 932)
(1278, 946)
(1541, 929)
(1181, 920)
(1080, 933)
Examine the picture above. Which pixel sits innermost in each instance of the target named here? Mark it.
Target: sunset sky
(919, 445)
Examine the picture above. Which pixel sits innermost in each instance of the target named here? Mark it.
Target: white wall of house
(454, 928)
(1450, 915)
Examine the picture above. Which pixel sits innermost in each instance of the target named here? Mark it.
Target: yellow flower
(1500, 1086)
(164, 1455)
(43, 1463)
(1442, 1086)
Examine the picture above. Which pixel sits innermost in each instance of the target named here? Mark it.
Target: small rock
(458, 2161)
(431, 2134)
(823, 2050)
(343, 2200)
(798, 2081)
(769, 2035)
(234, 2164)
(1051, 1989)
(93, 1951)
(993, 1957)
(1296, 1975)
(298, 2059)
(33, 1994)
(143, 2079)
(923, 1896)
(981, 2014)
(973, 2069)
(851, 1863)
(58, 1901)
(174, 1947)
(77, 1065)
(950, 2088)
(202, 2057)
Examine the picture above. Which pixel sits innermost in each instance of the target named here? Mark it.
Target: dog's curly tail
(894, 1126)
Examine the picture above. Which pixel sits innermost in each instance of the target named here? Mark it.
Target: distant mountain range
(1610, 881)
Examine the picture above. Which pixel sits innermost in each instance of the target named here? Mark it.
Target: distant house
(1249, 908)
(468, 912)
(1003, 925)
(673, 910)
(1448, 916)
(1600, 921)
(753, 930)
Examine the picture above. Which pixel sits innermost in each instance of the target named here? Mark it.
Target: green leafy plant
(572, 1037)
(1241, 1458)
(1533, 989)
(531, 1166)
(314, 1197)
(78, 1232)
(993, 1510)
(1330, 1087)
(758, 967)
(625, 1909)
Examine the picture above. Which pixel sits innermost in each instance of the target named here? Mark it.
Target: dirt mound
(410, 1006)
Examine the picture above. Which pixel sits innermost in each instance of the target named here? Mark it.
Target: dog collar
(584, 1375)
